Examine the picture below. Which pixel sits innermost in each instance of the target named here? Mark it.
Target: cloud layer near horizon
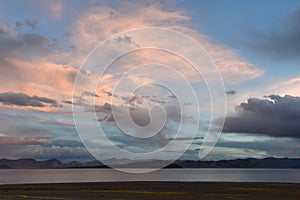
(275, 116)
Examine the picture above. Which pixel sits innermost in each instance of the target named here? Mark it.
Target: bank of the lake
(153, 190)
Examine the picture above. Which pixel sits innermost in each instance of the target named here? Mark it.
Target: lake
(17, 176)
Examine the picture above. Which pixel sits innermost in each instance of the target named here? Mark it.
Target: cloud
(32, 23)
(139, 106)
(276, 116)
(34, 67)
(230, 92)
(282, 43)
(99, 23)
(61, 153)
(32, 127)
(21, 45)
(289, 86)
(235, 145)
(9, 140)
(21, 99)
(55, 8)
(228, 153)
(25, 54)
(67, 143)
(107, 21)
(42, 152)
(18, 24)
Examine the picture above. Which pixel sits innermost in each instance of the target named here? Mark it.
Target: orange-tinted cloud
(100, 23)
(10, 140)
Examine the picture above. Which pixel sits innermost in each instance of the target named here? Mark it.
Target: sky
(49, 109)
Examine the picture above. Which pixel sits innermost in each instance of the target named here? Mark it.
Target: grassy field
(153, 190)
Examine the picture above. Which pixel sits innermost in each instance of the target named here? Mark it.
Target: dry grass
(152, 190)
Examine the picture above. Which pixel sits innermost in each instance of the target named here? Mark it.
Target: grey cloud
(87, 93)
(39, 135)
(134, 144)
(55, 121)
(140, 100)
(67, 101)
(85, 72)
(23, 127)
(18, 24)
(48, 152)
(276, 116)
(140, 115)
(24, 45)
(107, 93)
(272, 145)
(105, 108)
(267, 147)
(67, 33)
(67, 143)
(280, 43)
(186, 138)
(230, 92)
(32, 23)
(21, 99)
(126, 39)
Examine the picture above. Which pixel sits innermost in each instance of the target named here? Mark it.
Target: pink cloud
(100, 23)
(11, 140)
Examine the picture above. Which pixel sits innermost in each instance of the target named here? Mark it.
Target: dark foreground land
(152, 190)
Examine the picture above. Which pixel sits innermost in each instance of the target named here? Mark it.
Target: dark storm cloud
(276, 116)
(280, 43)
(21, 99)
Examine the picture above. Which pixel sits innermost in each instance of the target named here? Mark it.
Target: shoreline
(152, 189)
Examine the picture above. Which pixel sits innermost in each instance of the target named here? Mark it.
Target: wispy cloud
(10, 140)
(100, 23)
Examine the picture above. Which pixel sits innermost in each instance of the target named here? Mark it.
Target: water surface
(17, 176)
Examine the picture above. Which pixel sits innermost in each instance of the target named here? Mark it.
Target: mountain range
(27, 163)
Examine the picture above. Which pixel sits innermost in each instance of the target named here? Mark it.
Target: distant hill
(242, 163)
(27, 163)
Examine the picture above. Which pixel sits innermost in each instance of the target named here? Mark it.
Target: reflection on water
(13, 176)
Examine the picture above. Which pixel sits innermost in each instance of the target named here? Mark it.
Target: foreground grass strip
(136, 192)
(40, 197)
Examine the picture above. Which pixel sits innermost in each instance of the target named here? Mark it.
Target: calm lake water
(13, 176)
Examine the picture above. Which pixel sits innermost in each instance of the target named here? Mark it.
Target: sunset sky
(255, 45)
